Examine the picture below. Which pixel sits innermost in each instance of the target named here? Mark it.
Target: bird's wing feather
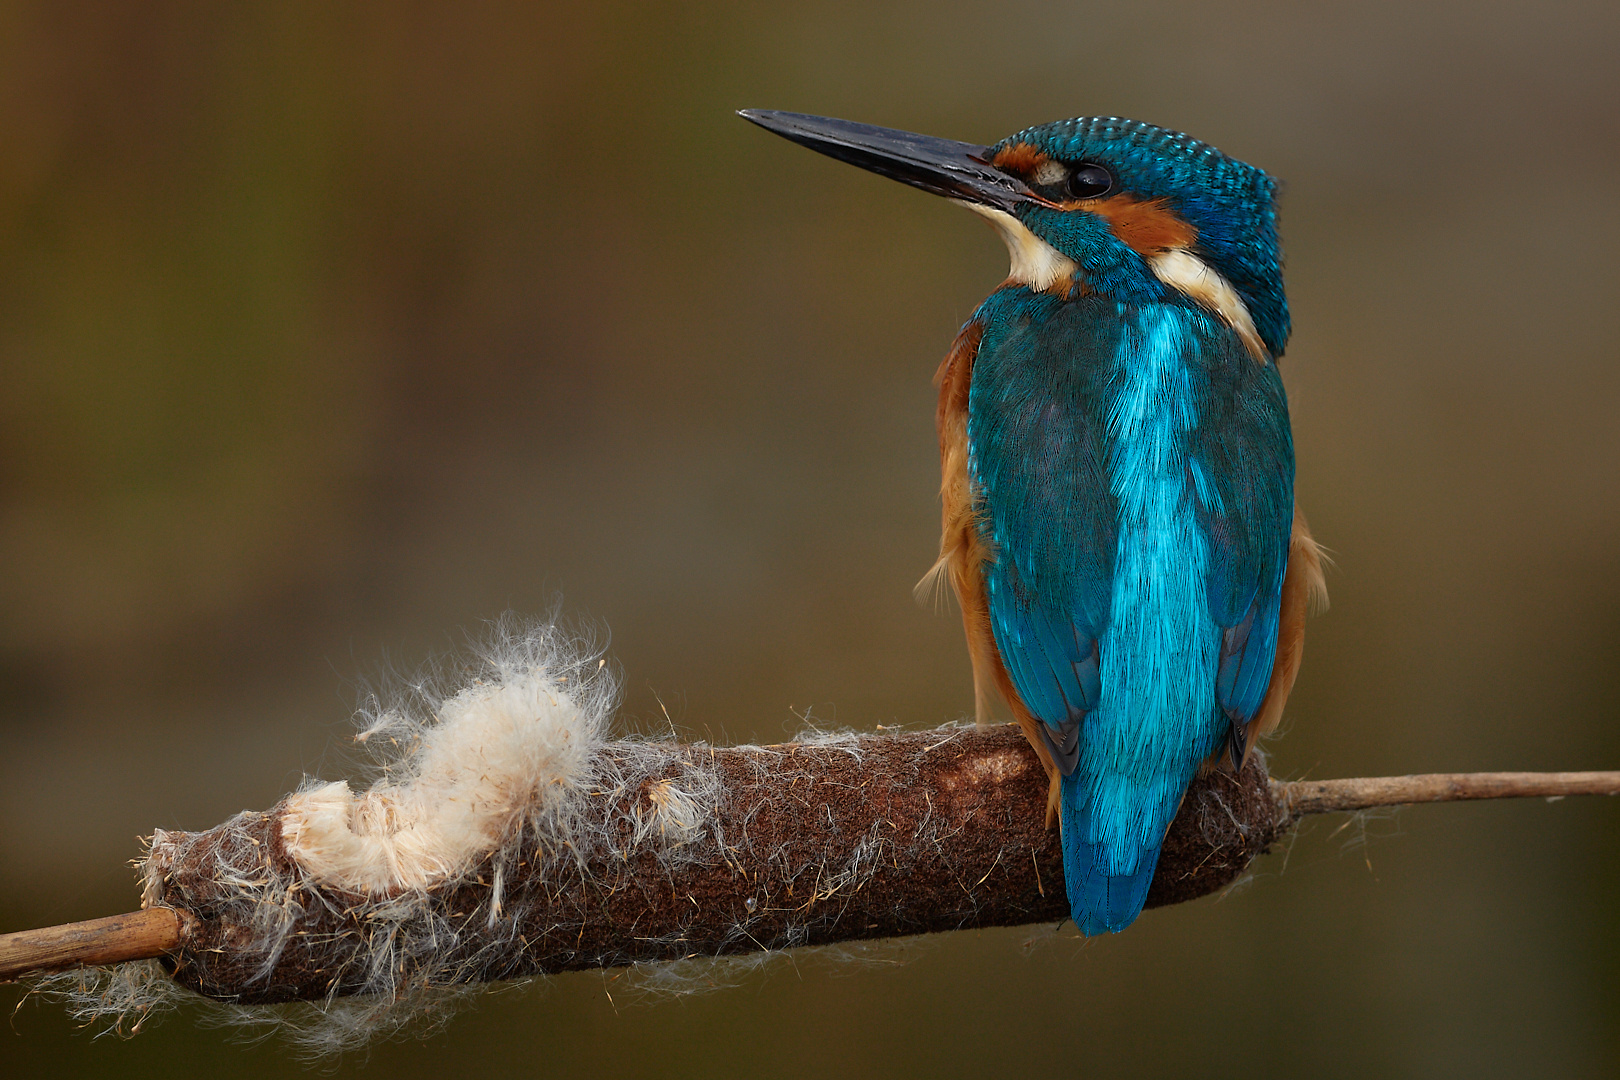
(1241, 467)
(1036, 438)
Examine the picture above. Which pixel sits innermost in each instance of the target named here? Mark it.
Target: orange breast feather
(962, 552)
(1303, 584)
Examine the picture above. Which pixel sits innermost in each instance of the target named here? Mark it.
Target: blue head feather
(1232, 205)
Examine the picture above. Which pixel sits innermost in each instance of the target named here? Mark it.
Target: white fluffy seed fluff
(481, 767)
(500, 750)
(497, 746)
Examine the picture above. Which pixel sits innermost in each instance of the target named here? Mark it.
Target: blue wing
(1050, 389)
(1036, 429)
(1241, 463)
(1037, 435)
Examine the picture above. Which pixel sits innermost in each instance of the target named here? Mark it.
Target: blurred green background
(329, 330)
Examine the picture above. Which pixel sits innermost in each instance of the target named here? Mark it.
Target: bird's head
(1097, 205)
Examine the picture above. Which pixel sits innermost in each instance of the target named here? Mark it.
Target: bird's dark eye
(1089, 181)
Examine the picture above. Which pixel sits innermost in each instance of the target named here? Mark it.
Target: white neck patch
(1182, 270)
(1035, 263)
(1042, 267)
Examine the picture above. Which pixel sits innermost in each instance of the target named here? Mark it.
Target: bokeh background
(330, 330)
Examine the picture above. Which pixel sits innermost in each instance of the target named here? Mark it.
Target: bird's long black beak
(953, 169)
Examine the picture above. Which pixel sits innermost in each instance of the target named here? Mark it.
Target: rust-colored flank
(963, 551)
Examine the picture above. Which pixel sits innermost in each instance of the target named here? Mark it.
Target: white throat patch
(1035, 263)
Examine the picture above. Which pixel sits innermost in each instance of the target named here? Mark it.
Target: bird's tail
(1099, 901)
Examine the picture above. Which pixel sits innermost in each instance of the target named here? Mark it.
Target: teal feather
(1136, 491)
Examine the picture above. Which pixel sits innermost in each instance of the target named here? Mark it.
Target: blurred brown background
(329, 330)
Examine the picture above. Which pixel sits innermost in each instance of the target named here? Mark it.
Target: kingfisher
(1117, 468)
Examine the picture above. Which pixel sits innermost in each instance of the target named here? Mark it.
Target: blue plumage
(1119, 545)
(1119, 519)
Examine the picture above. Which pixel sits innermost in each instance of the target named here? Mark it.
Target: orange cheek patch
(1146, 226)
